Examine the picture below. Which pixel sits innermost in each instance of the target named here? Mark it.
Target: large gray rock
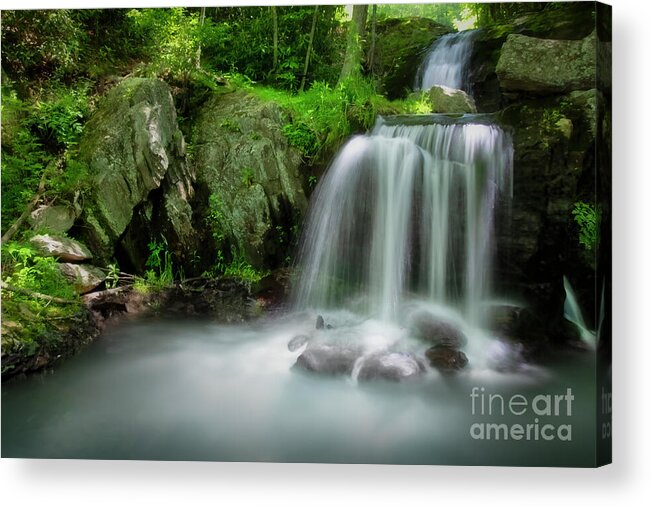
(251, 172)
(446, 359)
(83, 277)
(57, 219)
(450, 100)
(430, 328)
(393, 366)
(546, 66)
(132, 147)
(329, 359)
(66, 249)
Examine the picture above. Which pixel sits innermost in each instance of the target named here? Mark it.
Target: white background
(626, 482)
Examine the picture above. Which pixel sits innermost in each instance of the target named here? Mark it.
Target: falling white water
(446, 62)
(572, 312)
(406, 211)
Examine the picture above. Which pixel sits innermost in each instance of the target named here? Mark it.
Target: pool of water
(192, 390)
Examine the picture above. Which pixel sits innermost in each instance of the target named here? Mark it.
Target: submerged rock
(395, 366)
(66, 249)
(430, 328)
(297, 342)
(328, 359)
(446, 359)
(320, 324)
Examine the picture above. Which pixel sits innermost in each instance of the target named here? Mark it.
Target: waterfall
(446, 62)
(572, 312)
(406, 212)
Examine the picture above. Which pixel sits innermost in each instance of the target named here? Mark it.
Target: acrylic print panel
(373, 234)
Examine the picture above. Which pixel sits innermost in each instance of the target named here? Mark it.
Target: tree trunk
(202, 20)
(356, 33)
(371, 50)
(274, 17)
(309, 48)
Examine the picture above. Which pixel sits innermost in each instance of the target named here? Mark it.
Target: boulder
(328, 359)
(135, 154)
(250, 177)
(66, 249)
(297, 342)
(400, 46)
(545, 66)
(446, 359)
(432, 329)
(56, 219)
(450, 100)
(84, 277)
(394, 366)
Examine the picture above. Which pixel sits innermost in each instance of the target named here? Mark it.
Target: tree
(274, 17)
(355, 36)
(309, 48)
(371, 50)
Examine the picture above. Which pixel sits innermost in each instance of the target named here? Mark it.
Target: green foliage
(215, 218)
(238, 268)
(40, 43)
(112, 276)
(443, 13)
(61, 115)
(323, 116)
(587, 217)
(240, 40)
(39, 139)
(23, 157)
(26, 269)
(230, 125)
(241, 269)
(175, 36)
(301, 136)
(161, 272)
(247, 177)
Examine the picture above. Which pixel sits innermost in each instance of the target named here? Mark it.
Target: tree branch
(37, 295)
(19, 222)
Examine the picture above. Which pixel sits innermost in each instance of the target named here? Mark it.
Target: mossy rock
(400, 47)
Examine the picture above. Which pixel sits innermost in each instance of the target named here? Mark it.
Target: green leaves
(588, 218)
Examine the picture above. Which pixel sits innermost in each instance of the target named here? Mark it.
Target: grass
(322, 117)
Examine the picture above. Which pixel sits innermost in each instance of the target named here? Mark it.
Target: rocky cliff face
(250, 187)
(141, 184)
(401, 45)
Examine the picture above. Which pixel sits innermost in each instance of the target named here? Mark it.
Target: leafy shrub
(161, 272)
(323, 116)
(587, 218)
(61, 116)
(215, 217)
(28, 270)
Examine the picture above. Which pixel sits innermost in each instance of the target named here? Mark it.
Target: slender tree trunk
(371, 50)
(309, 48)
(202, 20)
(356, 33)
(274, 17)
